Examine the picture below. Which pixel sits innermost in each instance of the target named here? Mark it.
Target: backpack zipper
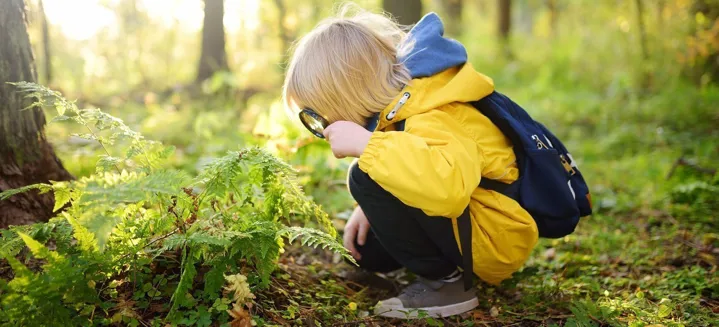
(540, 144)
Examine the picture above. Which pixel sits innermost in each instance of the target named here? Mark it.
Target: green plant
(136, 241)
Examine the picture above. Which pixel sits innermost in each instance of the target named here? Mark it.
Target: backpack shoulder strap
(485, 183)
(497, 186)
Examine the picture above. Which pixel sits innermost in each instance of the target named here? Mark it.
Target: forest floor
(648, 256)
(630, 270)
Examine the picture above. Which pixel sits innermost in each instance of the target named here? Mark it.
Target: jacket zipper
(399, 104)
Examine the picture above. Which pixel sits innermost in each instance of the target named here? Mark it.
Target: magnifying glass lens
(313, 122)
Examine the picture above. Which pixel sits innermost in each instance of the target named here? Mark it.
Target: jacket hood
(431, 52)
(440, 75)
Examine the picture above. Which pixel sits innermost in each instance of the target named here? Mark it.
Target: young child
(364, 75)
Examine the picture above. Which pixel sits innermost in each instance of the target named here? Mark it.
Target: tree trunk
(46, 45)
(553, 13)
(709, 64)
(213, 57)
(504, 19)
(406, 12)
(642, 30)
(25, 155)
(453, 19)
(285, 37)
(504, 27)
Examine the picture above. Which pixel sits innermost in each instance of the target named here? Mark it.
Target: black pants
(402, 236)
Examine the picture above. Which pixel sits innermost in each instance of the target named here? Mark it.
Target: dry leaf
(550, 254)
(708, 258)
(240, 316)
(494, 312)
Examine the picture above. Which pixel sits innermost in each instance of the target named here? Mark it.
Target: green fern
(315, 238)
(43, 188)
(127, 223)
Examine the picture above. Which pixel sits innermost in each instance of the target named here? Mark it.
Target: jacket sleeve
(434, 165)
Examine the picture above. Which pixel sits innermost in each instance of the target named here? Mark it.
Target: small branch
(684, 162)
(98, 141)
(153, 242)
(367, 319)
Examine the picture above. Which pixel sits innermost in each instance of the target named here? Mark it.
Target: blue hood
(431, 52)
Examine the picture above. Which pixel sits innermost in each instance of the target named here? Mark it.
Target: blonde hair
(346, 68)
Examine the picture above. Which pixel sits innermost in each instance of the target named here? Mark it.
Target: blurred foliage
(648, 256)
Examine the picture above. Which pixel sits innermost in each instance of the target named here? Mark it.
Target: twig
(367, 319)
(153, 242)
(684, 162)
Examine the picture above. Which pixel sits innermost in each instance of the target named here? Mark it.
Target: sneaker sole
(435, 312)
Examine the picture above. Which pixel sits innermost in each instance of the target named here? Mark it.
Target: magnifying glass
(313, 122)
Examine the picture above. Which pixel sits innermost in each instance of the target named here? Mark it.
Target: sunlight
(83, 19)
(80, 20)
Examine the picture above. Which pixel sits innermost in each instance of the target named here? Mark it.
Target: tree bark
(285, 36)
(504, 26)
(553, 14)
(504, 19)
(406, 12)
(642, 29)
(46, 45)
(710, 65)
(25, 155)
(213, 57)
(453, 11)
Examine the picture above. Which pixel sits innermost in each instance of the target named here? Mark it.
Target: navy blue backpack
(549, 187)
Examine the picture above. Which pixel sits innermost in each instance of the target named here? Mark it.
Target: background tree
(286, 36)
(213, 57)
(406, 12)
(25, 155)
(504, 26)
(452, 10)
(706, 26)
(553, 15)
(45, 44)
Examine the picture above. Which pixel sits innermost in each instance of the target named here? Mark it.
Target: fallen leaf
(708, 258)
(240, 316)
(494, 312)
(550, 254)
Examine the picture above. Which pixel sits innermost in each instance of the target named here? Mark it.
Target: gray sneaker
(436, 298)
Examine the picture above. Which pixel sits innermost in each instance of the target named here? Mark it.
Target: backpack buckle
(567, 166)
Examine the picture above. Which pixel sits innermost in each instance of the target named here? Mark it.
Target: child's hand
(347, 139)
(356, 228)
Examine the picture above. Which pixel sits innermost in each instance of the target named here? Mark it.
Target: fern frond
(100, 225)
(85, 239)
(220, 177)
(112, 188)
(173, 242)
(315, 238)
(45, 97)
(43, 188)
(203, 238)
(39, 250)
(189, 272)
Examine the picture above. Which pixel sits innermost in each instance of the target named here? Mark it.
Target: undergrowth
(135, 243)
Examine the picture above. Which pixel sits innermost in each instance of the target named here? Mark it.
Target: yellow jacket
(437, 162)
